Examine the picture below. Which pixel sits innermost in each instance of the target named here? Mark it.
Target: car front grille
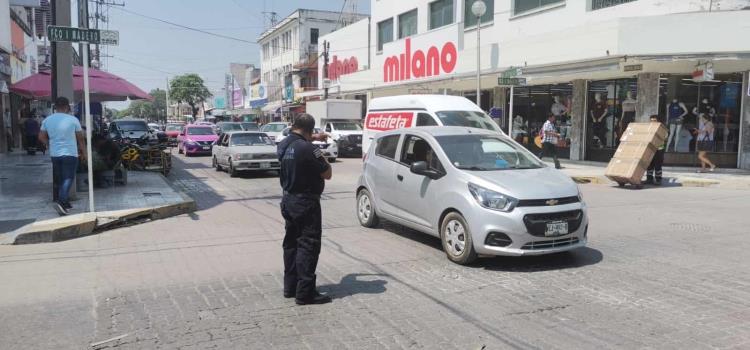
(547, 202)
(205, 143)
(553, 243)
(265, 156)
(536, 224)
(354, 139)
(257, 165)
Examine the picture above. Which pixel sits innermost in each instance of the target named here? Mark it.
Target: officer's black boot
(649, 179)
(314, 299)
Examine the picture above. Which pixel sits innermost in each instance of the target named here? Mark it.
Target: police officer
(303, 171)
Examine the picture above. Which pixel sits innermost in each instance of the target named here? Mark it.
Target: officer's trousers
(301, 243)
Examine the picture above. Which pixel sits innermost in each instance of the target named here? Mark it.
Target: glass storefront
(682, 100)
(611, 107)
(533, 105)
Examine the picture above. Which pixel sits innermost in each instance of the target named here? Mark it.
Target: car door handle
(400, 178)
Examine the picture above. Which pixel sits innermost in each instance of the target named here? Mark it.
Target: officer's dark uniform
(301, 166)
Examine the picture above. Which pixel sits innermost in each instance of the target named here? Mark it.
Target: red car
(196, 139)
(173, 131)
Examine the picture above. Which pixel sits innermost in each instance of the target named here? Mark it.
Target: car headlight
(243, 156)
(492, 200)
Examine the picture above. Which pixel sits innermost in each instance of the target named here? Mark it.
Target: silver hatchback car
(479, 191)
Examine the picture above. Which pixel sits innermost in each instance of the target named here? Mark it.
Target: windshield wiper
(473, 167)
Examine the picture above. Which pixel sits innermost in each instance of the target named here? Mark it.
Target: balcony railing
(600, 4)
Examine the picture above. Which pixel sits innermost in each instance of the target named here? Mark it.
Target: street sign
(511, 73)
(83, 35)
(511, 81)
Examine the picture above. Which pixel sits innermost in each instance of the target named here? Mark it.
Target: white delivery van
(341, 120)
(407, 111)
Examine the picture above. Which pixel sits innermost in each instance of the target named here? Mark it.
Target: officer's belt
(303, 195)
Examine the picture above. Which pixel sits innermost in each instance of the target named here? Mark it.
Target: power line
(187, 28)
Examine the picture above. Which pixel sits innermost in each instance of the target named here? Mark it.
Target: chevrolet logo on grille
(552, 202)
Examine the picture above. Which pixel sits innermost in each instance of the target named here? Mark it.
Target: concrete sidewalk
(593, 172)
(27, 214)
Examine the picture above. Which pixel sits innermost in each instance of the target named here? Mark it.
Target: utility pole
(326, 47)
(83, 22)
(99, 16)
(166, 103)
(62, 53)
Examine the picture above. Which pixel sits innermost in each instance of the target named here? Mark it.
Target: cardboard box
(625, 170)
(643, 151)
(653, 133)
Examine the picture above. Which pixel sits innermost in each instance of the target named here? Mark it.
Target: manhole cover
(151, 194)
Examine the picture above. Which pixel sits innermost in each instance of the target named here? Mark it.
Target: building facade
(595, 64)
(289, 56)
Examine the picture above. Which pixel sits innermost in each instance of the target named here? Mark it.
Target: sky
(150, 51)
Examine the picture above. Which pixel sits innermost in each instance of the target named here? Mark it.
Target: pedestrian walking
(304, 170)
(31, 132)
(654, 172)
(63, 135)
(705, 142)
(549, 140)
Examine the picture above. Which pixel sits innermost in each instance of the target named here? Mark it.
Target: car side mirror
(421, 168)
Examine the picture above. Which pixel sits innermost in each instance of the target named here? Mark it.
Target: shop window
(441, 13)
(611, 108)
(314, 33)
(407, 24)
(385, 33)
(533, 105)
(683, 100)
(470, 20)
(523, 6)
(600, 4)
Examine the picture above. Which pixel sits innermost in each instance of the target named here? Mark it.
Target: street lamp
(478, 8)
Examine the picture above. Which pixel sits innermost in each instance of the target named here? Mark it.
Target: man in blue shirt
(62, 134)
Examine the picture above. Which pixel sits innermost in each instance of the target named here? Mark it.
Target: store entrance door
(611, 107)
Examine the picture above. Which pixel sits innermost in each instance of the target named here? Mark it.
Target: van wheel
(232, 170)
(365, 210)
(456, 238)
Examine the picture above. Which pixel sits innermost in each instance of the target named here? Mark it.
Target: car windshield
(200, 131)
(174, 127)
(274, 127)
(486, 152)
(470, 119)
(132, 126)
(250, 140)
(347, 126)
(226, 127)
(250, 126)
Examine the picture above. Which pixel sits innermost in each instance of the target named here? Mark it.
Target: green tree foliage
(190, 89)
(151, 110)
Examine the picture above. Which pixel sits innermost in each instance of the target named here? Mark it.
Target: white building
(634, 56)
(289, 55)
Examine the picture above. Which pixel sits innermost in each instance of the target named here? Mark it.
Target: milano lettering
(420, 64)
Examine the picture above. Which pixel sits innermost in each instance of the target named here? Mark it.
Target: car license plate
(265, 165)
(556, 228)
(206, 147)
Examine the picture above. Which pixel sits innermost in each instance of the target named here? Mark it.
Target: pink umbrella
(103, 86)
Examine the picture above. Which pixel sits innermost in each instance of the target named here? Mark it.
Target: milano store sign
(425, 55)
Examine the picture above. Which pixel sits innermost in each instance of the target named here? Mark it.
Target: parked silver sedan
(479, 191)
(244, 151)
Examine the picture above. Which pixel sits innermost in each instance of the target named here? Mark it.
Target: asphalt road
(665, 268)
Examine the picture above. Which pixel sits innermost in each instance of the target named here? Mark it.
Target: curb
(80, 225)
(683, 181)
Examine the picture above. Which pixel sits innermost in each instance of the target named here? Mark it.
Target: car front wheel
(232, 170)
(456, 238)
(365, 210)
(216, 164)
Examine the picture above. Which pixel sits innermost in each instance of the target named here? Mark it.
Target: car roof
(436, 131)
(198, 126)
(423, 102)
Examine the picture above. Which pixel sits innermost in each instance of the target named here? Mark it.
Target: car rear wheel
(456, 238)
(365, 210)
(232, 170)
(216, 164)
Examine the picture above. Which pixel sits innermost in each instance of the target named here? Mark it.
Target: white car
(273, 130)
(330, 147)
(244, 151)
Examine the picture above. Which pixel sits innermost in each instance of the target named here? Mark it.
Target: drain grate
(151, 194)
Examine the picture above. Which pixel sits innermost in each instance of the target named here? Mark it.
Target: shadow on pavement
(411, 234)
(571, 259)
(351, 285)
